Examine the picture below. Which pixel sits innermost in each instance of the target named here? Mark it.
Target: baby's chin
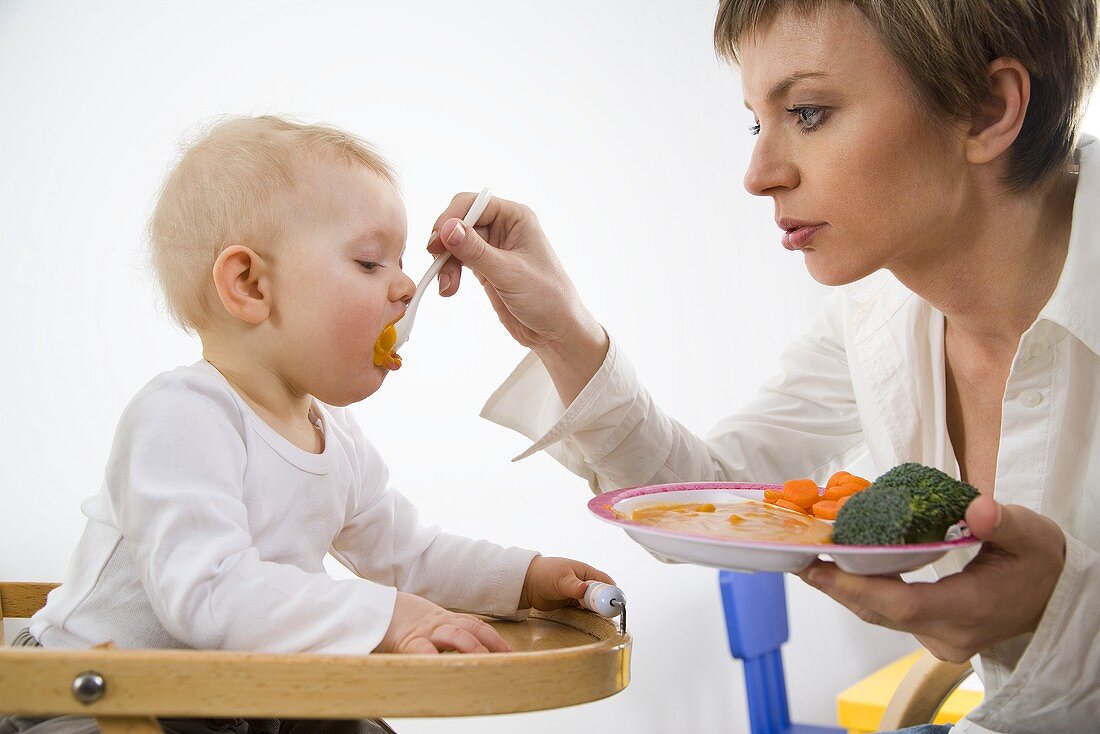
(349, 395)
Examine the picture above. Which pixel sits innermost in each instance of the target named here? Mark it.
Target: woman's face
(861, 177)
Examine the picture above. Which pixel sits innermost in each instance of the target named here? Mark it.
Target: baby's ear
(241, 279)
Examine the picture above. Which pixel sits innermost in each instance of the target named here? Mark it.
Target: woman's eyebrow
(781, 87)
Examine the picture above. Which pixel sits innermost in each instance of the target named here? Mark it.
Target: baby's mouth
(384, 356)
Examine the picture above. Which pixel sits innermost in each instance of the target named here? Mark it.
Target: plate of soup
(728, 525)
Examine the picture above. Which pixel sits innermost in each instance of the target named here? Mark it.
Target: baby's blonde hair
(224, 190)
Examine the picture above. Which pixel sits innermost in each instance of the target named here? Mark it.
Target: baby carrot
(771, 495)
(826, 509)
(802, 492)
(840, 490)
(790, 506)
(837, 478)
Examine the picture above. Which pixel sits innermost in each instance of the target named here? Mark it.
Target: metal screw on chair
(89, 687)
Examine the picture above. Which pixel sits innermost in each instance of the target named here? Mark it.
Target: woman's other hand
(1000, 594)
(529, 290)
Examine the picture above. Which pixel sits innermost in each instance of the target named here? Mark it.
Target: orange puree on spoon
(384, 356)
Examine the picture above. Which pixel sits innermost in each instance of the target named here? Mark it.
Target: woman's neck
(992, 280)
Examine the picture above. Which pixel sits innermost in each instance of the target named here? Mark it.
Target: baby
(230, 479)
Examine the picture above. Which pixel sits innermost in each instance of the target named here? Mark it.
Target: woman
(922, 155)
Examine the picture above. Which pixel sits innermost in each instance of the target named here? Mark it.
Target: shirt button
(1031, 398)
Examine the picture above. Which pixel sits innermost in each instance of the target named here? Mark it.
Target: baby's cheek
(353, 330)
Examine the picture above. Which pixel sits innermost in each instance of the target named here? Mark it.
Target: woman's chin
(834, 274)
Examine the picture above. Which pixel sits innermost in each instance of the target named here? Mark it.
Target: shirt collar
(1075, 303)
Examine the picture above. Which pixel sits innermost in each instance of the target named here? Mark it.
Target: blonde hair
(225, 190)
(946, 47)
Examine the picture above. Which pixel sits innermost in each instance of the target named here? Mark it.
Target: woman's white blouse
(869, 377)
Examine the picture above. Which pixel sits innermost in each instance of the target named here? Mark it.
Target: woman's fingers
(464, 243)
(459, 207)
(885, 601)
(1001, 593)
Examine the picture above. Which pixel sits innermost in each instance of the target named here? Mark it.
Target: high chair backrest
(21, 599)
(756, 621)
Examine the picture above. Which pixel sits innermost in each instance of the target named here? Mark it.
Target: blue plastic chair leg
(756, 621)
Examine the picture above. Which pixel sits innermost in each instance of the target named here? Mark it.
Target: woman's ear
(241, 279)
(997, 121)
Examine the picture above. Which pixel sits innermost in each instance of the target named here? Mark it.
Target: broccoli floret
(911, 503)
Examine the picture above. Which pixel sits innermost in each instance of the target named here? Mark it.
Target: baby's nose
(405, 289)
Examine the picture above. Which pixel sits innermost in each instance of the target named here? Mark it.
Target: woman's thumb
(999, 524)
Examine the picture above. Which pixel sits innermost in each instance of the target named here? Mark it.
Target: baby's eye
(368, 265)
(754, 129)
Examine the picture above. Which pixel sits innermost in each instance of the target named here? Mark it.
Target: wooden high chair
(561, 658)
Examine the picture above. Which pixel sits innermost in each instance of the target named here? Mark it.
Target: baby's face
(337, 281)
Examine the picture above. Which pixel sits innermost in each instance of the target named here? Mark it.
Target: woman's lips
(799, 237)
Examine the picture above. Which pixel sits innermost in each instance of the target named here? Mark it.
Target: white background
(613, 120)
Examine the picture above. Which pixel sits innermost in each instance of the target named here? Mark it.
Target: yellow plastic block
(859, 708)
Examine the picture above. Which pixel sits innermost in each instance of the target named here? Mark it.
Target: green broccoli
(911, 503)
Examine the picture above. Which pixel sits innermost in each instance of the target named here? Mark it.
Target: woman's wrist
(575, 357)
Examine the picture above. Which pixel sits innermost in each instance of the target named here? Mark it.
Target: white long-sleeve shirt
(869, 377)
(210, 530)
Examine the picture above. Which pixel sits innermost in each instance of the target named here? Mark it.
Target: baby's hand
(418, 626)
(552, 583)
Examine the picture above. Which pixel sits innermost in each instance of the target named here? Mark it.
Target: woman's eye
(810, 118)
(368, 265)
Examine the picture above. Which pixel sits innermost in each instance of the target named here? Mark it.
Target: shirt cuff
(1052, 686)
(508, 585)
(528, 403)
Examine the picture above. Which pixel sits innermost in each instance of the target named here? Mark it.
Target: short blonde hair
(226, 186)
(946, 47)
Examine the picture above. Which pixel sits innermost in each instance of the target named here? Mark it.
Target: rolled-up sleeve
(1055, 677)
(614, 435)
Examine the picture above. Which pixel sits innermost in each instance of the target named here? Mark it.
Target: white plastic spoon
(404, 326)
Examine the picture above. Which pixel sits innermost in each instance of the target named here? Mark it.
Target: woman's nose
(770, 168)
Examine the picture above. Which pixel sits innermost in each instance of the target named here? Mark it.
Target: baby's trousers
(83, 725)
(86, 725)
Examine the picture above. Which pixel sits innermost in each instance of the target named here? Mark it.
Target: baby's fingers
(453, 637)
(419, 646)
(485, 633)
(587, 573)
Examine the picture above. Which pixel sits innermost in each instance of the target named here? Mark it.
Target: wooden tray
(561, 658)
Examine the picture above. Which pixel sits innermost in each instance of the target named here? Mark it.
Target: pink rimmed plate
(672, 546)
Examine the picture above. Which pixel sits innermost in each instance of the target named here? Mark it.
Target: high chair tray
(560, 658)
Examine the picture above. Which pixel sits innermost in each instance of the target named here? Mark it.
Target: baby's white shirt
(210, 530)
